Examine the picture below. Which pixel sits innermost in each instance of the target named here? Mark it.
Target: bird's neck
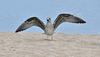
(49, 23)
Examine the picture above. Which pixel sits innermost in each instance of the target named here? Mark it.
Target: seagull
(49, 28)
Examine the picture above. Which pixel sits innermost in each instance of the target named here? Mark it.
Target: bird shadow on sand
(48, 40)
(44, 39)
(40, 39)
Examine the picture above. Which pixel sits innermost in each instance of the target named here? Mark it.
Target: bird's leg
(43, 33)
(51, 37)
(47, 36)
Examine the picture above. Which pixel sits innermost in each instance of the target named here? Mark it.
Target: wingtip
(84, 22)
(16, 31)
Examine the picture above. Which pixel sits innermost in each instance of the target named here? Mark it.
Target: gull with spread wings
(49, 28)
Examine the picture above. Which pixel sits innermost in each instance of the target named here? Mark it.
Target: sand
(36, 45)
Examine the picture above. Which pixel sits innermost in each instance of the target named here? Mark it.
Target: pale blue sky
(15, 12)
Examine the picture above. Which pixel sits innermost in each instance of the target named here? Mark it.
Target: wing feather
(66, 18)
(33, 21)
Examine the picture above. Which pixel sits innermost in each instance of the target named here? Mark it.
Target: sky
(14, 12)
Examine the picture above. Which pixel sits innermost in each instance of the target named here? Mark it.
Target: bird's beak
(47, 20)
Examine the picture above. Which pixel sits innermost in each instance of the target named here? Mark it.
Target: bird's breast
(49, 31)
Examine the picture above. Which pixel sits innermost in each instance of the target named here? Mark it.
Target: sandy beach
(37, 45)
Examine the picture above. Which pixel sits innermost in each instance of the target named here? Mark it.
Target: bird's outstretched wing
(67, 18)
(33, 21)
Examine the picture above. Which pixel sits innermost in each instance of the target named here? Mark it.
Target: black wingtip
(19, 30)
(16, 31)
(83, 22)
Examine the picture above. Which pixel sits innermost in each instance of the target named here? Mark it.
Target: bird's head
(48, 19)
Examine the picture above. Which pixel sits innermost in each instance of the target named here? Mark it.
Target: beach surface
(37, 45)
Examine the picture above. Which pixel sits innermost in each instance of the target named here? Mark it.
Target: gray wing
(67, 18)
(33, 21)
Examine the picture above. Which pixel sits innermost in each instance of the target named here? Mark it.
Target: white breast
(49, 29)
